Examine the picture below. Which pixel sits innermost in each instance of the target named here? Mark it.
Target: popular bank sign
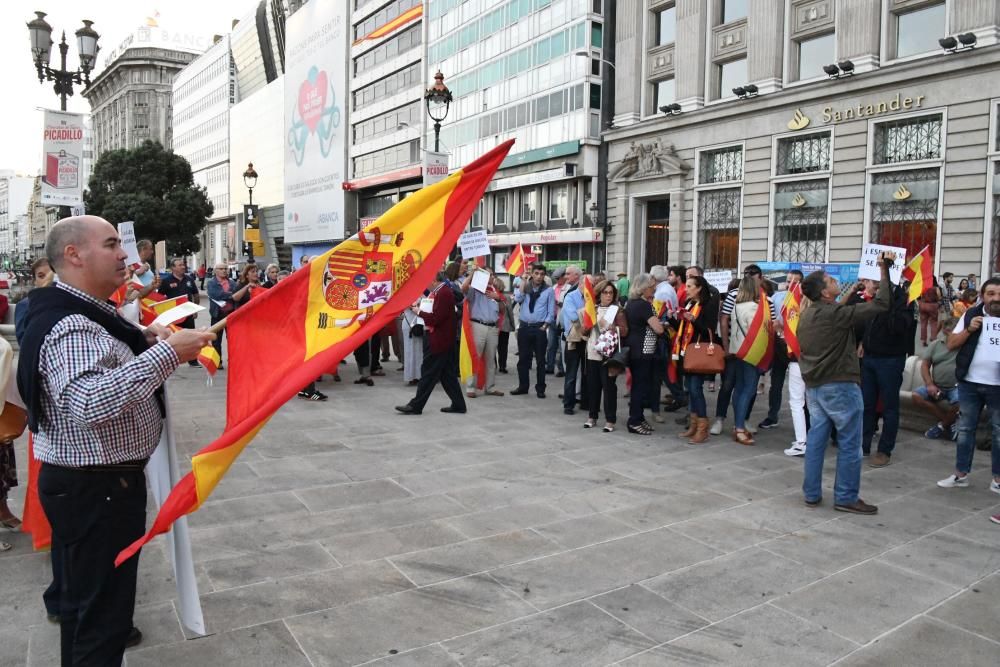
(62, 153)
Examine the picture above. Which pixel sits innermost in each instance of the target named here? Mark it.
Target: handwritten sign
(480, 280)
(719, 280)
(126, 231)
(869, 267)
(989, 340)
(474, 244)
(178, 313)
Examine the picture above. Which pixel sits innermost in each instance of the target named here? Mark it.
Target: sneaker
(797, 449)
(857, 507)
(995, 486)
(768, 423)
(955, 481)
(717, 426)
(995, 518)
(934, 432)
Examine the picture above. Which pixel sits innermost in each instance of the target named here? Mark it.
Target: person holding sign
(484, 304)
(977, 368)
(830, 369)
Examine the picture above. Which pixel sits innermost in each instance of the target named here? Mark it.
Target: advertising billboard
(62, 155)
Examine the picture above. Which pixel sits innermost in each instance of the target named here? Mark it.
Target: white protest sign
(989, 341)
(719, 280)
(869, 268)
(480, 280)
(177, 313)
(126, 231)
(474, 244)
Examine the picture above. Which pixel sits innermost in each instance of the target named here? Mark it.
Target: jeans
(881, 376)
(531, 343)
(574, 365)
(744, 391)
(797, 401)
(836, 404)
(972, 396)
(696, 394)
(778, 371)
(553, 351)
(726, 389)
(600, 383)
(641, 368)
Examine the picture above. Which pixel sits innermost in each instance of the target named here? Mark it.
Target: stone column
(765, 44)
(629, 49)
(689, 52)
(859, 26)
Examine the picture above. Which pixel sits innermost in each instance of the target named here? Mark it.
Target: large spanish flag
(321, 314)
(758, 345)
(920, 273)
(790, 310)
(470, 362)
(589, 318)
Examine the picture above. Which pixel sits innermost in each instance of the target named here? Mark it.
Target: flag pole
(218, 326)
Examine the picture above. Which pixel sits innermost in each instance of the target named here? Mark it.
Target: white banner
(315, 124)
(126, 232)
(474, 244)
(869, 268)
(435, 167)
(62, 155)
(719, 280)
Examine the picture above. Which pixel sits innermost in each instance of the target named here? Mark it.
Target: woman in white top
(609, 316)
(747, 375)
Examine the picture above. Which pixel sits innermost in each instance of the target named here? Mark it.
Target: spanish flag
(151, 308)
(210, 359)
(790, 311)
(469, 361)
(321, 314)
(395, 24)
(920, 273)
(515, 264)
(758, 346)
(589, 319)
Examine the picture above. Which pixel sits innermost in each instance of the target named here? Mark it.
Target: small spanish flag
(150, 309)
(790, 310)
(469, 361)
(589, 319)
(210, 359)
(515, 264)
(920, 273)
(758, 346)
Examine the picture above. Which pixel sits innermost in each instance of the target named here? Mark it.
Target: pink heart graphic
(312, 99)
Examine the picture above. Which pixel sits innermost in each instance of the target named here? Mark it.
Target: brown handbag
(704, 358)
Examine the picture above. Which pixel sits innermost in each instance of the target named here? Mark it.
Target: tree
(154, 188)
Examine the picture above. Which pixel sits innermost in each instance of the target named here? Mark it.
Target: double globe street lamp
(40, 33)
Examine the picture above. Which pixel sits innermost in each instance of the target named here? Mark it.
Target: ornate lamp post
(250, 180)
(438, 99)
(40, 33)
(251, 225)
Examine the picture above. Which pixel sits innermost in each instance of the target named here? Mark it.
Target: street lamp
(438, 99)
(250, 180)
(587, 54)
(40, 33)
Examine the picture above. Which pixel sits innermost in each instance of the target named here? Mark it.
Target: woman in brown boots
(696, 324)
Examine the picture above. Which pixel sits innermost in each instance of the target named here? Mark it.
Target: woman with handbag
(603, 341)
(695, 354)
(643, 330)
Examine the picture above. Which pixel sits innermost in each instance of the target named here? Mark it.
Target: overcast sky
(20, 120)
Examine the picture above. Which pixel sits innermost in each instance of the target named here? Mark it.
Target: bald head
(68, 232)
(86, 252)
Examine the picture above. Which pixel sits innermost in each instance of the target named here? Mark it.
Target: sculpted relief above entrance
(648, 160)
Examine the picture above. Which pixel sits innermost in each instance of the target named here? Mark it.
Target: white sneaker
(716, 426)
(995, 486)
(961, 482)
(797, 449)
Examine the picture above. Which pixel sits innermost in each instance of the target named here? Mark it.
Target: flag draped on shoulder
(515, 264)
(470, 362)
(920, 273)
(302, 327)
(758, 345)
(589, 318)
(790, 311)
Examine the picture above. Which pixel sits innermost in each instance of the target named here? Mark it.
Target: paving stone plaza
(347, 534)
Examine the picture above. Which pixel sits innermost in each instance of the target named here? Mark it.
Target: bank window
(529, 205)
(800, 217)
(663, 94)
(730, 75)
(803, 154)
(813, 54)
(558, 202)
(666, 26)
(733, 9)
(918, 31)
(719, 228)
(908, 140)
(904, 208)
(721, 165)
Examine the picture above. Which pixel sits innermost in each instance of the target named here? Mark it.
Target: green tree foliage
(154, 188)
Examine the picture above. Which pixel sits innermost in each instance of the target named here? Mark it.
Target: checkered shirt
(98, 406)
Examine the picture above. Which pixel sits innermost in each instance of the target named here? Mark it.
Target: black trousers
(437, 368)
(598, 383)
(94, 515)
(366, 355)
(532, 341)
(503, 344)
(575, 361)
(779, 369)
(642, 371)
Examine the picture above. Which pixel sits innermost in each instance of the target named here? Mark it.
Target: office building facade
(849, 124)
(15, 194)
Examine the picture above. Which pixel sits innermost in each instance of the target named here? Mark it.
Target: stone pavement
(347, 534)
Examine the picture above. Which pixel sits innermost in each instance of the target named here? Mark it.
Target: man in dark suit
(440, 325)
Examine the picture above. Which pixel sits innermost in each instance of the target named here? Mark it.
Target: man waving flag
(322, 313)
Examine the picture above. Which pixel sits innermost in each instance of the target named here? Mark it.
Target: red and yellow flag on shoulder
(322, 313)
(589, 318)
(920, 273)
(515, 264)
(758, 345)
(790, 310)
(470, 362)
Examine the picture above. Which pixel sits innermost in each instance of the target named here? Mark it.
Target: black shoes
(452, 409)
(134, 637)
(407, 409)
(518, 392)
(768, 423)
(541, 394)
(857, 507)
